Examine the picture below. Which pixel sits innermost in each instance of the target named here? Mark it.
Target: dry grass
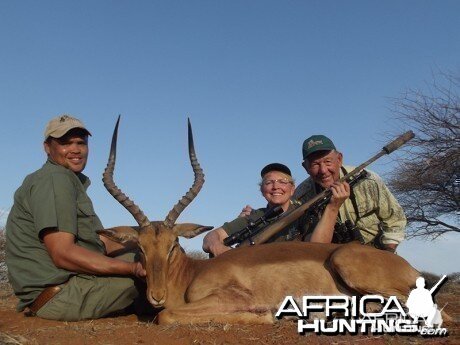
(10, 339)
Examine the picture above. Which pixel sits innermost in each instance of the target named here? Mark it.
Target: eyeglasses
(281, 181)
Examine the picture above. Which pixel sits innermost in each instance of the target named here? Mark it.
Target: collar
(85, 181)
(292, 204)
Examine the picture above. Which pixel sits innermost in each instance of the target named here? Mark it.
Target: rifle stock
(291, 216)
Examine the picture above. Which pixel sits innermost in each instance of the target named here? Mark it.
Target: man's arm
(72, 257)
(391, 215)
(213, 242)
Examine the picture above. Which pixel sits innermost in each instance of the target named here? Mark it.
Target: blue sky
(255, 77)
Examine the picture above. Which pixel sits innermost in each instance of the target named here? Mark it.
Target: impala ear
(120, 234)
(189, 230)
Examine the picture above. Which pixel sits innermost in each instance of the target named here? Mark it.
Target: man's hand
(213, 242)
(340, 193)
(246, 211)
(324, 230)
(139, 270)
(391, 247)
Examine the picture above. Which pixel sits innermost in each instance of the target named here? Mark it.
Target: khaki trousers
(91, 297)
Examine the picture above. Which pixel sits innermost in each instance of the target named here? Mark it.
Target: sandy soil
(15, 328)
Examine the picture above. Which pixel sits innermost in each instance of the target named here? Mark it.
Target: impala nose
(157, 302)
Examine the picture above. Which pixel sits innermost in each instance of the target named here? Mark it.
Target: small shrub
(2, 245)
(430, 278)
(196, 254)
(451, 285)
(4, 285)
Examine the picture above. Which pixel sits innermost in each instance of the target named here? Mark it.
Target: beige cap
(60, 125)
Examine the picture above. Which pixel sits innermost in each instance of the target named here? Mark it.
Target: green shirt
(286, 234)
(376, 206)
(51, 197)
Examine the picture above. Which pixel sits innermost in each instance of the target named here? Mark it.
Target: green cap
(316, 143)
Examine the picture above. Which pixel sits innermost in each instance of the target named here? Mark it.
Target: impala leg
(217, 309)
(367, 270)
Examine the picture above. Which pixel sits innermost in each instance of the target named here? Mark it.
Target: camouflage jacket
(377, 207)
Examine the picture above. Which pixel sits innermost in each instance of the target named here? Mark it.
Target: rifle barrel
(435, 287)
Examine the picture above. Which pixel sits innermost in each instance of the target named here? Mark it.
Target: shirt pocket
(85, 209)
(88, 223)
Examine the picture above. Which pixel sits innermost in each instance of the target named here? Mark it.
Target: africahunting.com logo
(343, 314)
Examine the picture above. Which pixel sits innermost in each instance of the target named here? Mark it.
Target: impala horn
(194, 190)
(107, 178)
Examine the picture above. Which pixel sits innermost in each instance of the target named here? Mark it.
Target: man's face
(70, 150)
(277, 188)
(324, 167)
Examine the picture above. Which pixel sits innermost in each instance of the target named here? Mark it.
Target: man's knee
(89, 297)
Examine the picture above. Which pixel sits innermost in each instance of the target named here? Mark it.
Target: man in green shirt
(58, 266)
(371, 207)
(277, 187)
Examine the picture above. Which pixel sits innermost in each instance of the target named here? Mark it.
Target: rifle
(290, 216)
(254, 227)
(259, 225)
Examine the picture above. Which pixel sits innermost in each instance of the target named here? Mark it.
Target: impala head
(157, 241)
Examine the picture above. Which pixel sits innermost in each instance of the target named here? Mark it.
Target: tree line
(426, 180)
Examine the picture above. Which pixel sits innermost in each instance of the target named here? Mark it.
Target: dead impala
(247, 284)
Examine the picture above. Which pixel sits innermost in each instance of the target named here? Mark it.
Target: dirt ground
(15, 328)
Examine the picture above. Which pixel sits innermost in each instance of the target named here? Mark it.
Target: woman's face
(277, 188)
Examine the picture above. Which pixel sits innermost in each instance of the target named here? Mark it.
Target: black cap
(275, 167)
